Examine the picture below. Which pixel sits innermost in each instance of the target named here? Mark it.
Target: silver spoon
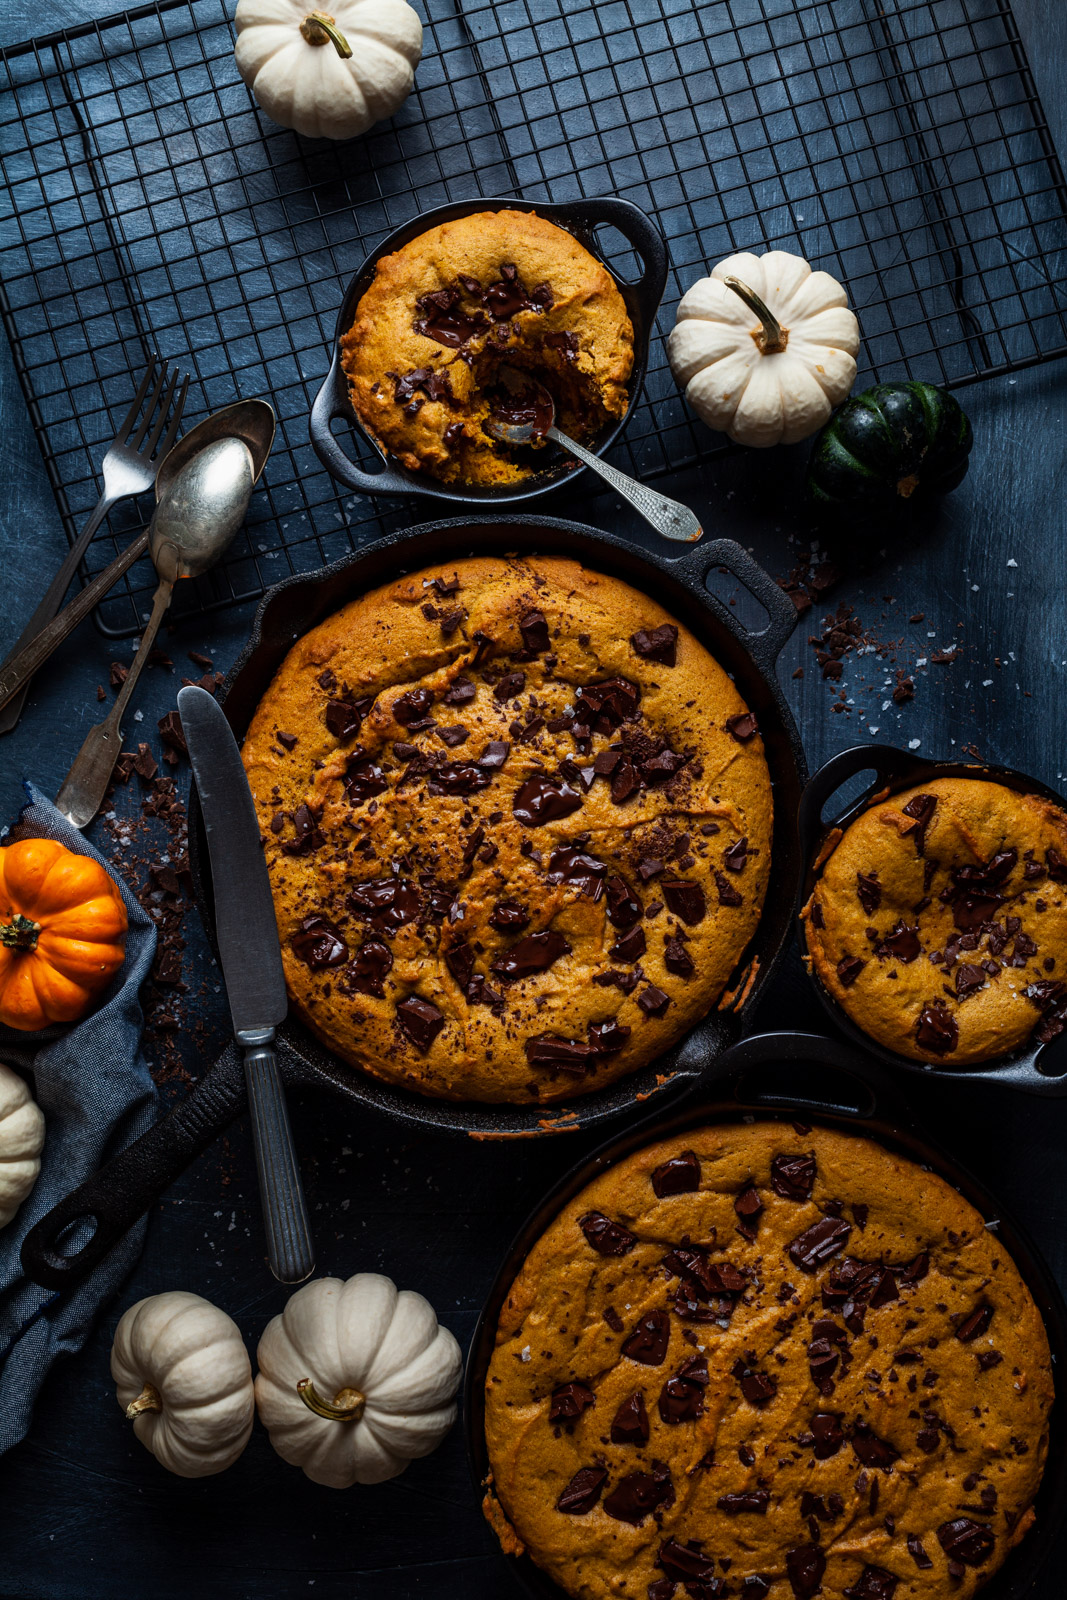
(529, 413)
(250, 420)
(202, 506)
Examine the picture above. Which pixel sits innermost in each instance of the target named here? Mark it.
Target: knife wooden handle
(111, 1201)
(290, 1250)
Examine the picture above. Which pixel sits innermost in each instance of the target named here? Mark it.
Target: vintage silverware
(250, 420)
(202, 504)
(251, 961)
(129, 468)
(527, 412)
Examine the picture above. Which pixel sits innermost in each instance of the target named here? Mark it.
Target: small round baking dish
(1037, 1068)
(791, 1076)
(580, 218)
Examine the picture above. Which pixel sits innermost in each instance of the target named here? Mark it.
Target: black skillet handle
(745, 1068)
(332, 401)
(641, 232)
(727, 554)
(889, 764)
(126, 1186)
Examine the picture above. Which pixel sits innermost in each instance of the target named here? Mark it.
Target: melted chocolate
(319, 944)
(544, 799)
(530, 956)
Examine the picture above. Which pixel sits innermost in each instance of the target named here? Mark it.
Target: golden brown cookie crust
(935, 1422)
(997, 939)
(577, 338)
(341, 809)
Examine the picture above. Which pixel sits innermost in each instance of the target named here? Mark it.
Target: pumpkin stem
(147, 1400)
(347, 1405)
(319, 28)
(773, 337)
(20, 933)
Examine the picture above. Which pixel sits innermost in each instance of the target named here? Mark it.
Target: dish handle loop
(766, 644)
(747, 1068)
(887, 763)
(110, 1202)
(639, 231)
(330, 403)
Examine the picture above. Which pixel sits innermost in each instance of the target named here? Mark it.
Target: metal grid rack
(147, 205)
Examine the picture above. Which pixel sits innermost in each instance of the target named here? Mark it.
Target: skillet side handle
(766, 645)
(330, 402)
(640, 231)
(741, 1067)
(126, 1186)
(888, 763)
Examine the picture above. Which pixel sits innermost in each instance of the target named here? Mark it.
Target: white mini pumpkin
(183, 1376)
(21, 1142)
(765, 348)
(356, 1379)
(328, 74)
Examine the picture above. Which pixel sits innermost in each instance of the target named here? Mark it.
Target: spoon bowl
(251, 421)
(201, 508)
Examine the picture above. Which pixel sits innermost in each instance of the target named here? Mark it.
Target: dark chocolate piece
(319, 944)
(793, 1177)
(629, 1425)
(685, 899)
(420, 1020)
(657, 644)
(679, 1175)
(649, 1340)
(569, 1400)
(607, 1238)
(543, 799)
(583, 1491)
(967, 1541)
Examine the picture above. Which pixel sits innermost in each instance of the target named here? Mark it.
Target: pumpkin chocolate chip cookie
(939, 921)
(518, 827)
(761, 1360)
(454, 315)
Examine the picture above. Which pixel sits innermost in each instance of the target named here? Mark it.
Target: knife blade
(247, 934)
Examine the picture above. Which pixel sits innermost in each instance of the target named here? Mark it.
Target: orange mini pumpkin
(62, 933)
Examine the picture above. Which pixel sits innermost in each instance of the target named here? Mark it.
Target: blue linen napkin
(93, 1085)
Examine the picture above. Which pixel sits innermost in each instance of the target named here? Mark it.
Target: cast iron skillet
(821, 1080)
(579, 217)
(132, 1181)
(1039, 1069)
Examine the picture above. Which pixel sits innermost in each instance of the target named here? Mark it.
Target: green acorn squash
(895, 442)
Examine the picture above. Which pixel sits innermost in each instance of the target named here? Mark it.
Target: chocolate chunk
(916, 1269)
(902, 944)
(459, 778)
(755, 1587)
(319, 944)
(966, 1541)
(420, 1020)
(685, 899)
(630, 947)
(936, 1029)
(757, 1387)
(682, 1397)
(968, 979)
(615, 700)
(685, 1563)
(534, 629)
(559, 1055)
(657, 644)
(639, 1493)
(567, 864)
(1057, 866)
(974, 1325)
(606, 1237)
(495, 754)
(649, 867)
(875, 1583)
(510, 686)
(390, 902)
(459, 958)
(461, 693)
(509, 916)
(818, 1243)
(871, 1450)
(172, 735)
(481, 993)
(679, 1175)
(607, 1038)
(927, 1439)
(869, 891)
(662, 766)
(583, 1491)
(288, 740)
(677, 959)
(755, 1501)
(747, 1208)
(534, 954)
(630, 1423)
(728, 895)
(804, 1567)
(653, 1001)
(543, 799)
(793, 1177)
(827, 1434)
(412, 707)
(917, 1553)
(624, 909)
(452, 736)
(988, 1359)
(736, 858)
(373, 962)
(363, 779)
(822, 1363)
(309, 836)
(605, 763)
(746, 1455)
(613, 1320)
(345, 717)
(624, 781)
(849, 969)
(648, 1342)
(921, 808)
(569, 1400)
(742, 727)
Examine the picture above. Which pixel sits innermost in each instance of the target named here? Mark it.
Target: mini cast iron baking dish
(818, 1080)
(580, 218)
(1038, 1068)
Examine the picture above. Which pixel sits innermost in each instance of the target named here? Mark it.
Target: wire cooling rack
(148, 205)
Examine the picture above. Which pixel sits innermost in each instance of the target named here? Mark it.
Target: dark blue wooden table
(86, 1512)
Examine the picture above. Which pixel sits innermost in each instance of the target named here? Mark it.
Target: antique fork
(129, 468)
